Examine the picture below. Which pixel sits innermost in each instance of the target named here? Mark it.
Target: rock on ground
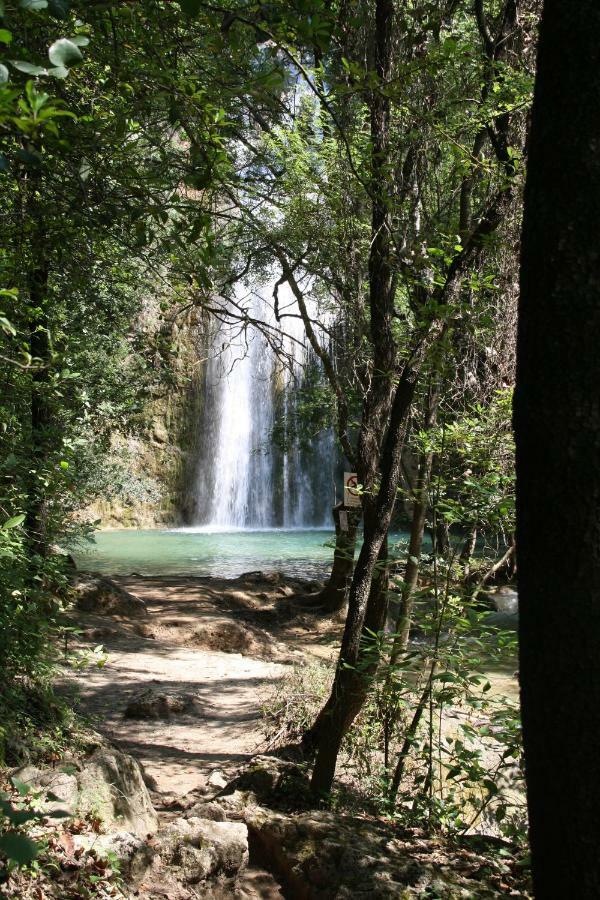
(202, 848)
(95, 593)
(108, 786)
(319, 855)
(154, 704)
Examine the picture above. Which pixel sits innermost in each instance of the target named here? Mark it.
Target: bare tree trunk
(335, 593)
(39, 348)
(467, 551)
(557, 427)
(440, 537)
(413, 563)
(417, 531)
(36, 516)
(366, 604)
(409, 740)
(351, 685)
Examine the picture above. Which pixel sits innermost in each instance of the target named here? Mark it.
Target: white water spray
(244, 480)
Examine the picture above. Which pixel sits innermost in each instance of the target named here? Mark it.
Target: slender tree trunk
(409, 740)
(39, 348)
(440, 537)
(413, 563)
(335, 593)
(366, 603)
(557, 425)
(351, 680)
(417, 531)
(36, 516)
(468, 549)
(351, 685)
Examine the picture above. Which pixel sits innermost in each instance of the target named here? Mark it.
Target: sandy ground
(173, 651)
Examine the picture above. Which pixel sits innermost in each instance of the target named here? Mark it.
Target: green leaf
(5, 36)
(14, 523)
(29, 159)
(18, 847)
(27, 67)
(190, 7)
(64, 53)
(80, 40)
(20, 786)
(33, 4)
(4, 76)
(59, 8)
(446, 677)
(58, 72)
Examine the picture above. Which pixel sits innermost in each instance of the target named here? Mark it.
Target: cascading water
(244, 479)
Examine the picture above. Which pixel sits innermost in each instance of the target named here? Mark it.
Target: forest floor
(207, 654)
(225, 642)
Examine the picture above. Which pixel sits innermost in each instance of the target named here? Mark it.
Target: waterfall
(244, 479)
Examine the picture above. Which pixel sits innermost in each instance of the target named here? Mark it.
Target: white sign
(351, 495)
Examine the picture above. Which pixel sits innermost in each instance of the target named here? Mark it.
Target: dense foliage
(369, 157)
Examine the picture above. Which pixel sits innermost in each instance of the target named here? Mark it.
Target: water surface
(306, 553)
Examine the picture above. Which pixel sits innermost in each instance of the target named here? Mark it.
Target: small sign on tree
(351, 494)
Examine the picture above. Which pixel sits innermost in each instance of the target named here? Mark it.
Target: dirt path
(166, 651)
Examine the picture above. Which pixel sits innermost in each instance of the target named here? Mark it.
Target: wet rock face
(153, 704)
(108, 785)
(96, 594)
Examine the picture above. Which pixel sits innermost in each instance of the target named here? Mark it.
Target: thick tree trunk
(334, 595)
(557, 425)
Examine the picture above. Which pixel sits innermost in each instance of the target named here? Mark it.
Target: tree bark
(352, 677)
(351, 684)
(334, 595)
(417, 531)
(39, 349)
(557, 426)
(413, 563)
